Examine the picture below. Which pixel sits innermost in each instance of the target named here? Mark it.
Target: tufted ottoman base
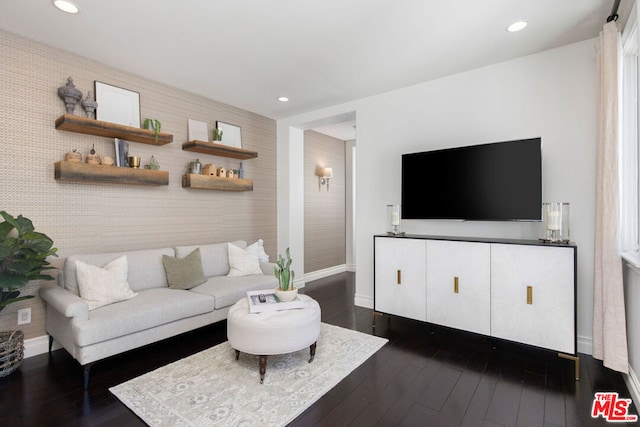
(273, 332)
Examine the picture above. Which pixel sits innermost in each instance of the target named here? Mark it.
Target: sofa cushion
(184, 273)
(228, 290)
(259, 246)
(243, 262)
(215, 257)
(145, 268)
(102, 286)
(151, 308)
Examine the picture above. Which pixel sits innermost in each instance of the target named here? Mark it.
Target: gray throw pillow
(184, 273)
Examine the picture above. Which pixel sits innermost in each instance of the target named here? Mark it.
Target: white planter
(286, 296)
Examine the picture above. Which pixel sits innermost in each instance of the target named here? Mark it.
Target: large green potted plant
(282, 271)
(23, 258)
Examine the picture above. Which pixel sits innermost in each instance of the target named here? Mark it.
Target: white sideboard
(518, 290)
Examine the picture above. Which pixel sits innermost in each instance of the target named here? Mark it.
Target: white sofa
(155, 313)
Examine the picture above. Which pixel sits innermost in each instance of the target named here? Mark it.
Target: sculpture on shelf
(89, 105)
(70, 95)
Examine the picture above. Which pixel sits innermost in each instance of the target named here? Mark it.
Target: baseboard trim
(326, 272)
(585, 345)
(363, 301)
(38, 345)
(631, 380)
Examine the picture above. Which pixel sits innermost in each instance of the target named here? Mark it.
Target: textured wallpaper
(324, 211)
(96, 217)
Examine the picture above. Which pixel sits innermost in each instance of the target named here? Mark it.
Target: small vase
(286, 296)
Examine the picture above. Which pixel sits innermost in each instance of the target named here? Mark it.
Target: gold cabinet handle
(399, 277)
(529, 294)
(455, 285)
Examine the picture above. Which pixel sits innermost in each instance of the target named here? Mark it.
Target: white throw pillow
(103, 286)
(243, 262)
(262, 255)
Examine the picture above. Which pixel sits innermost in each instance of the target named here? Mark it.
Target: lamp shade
(328, 173)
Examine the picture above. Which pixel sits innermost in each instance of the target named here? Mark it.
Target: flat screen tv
(501, 181)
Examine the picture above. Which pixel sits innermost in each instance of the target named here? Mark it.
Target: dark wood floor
(424, 376)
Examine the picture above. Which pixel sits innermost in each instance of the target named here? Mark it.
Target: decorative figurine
(70, 95)
(73, 156)
(210, 169)
(92, 158)
(89, 105)
(107, 161)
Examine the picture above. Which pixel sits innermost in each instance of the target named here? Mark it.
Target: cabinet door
(532, 295)
(458, 285)
(400, 277)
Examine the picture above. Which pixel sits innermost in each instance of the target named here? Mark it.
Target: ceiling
(318, 53)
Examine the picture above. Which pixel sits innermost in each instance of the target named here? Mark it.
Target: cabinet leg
(373, 318)
(576, 361)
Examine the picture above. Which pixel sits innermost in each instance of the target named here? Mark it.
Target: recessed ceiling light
(67, 6)
(283, 99)
(517, 26)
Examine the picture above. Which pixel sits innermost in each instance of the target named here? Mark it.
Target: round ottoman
(273, 332)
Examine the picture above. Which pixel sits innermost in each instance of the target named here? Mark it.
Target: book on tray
(267, 300)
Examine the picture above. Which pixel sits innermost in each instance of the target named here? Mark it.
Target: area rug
(211, 388)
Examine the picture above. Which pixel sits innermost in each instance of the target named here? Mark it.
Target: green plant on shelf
(217, 134)
(152, 124)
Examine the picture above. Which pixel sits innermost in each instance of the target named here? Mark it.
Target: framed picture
(198, 131)
(117, 105)
(231, 135)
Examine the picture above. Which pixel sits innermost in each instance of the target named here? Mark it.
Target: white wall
(551, 94)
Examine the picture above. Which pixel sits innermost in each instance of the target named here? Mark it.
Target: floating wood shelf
(78, 124)
(75, 171)
(207, 182)
(219, 150)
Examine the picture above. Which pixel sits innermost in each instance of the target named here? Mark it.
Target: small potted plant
(23, 258)
(152, 124)
(285, 292)
(217, 135)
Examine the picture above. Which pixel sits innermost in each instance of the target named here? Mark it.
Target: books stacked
(122, 152)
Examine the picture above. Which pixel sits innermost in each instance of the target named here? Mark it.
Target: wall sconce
(324, 175)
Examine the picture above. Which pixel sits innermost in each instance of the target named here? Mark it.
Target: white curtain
(609, 324)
